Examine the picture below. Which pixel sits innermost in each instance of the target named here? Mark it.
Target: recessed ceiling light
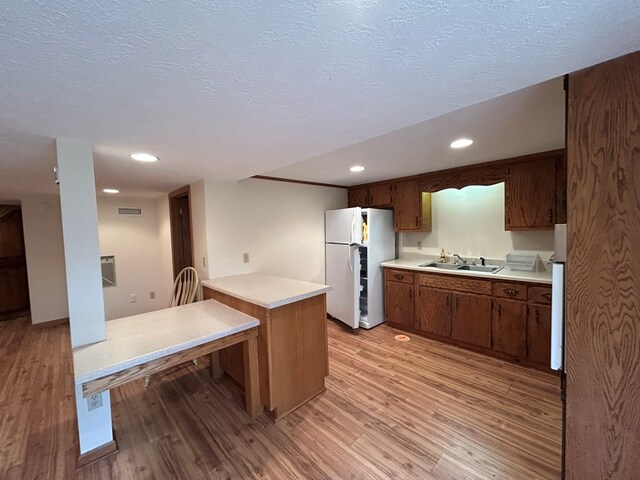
(110, 190)
(144, 157)
(461, 143)
(357, 168)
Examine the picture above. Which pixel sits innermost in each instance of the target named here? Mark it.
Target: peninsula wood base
(292, 351)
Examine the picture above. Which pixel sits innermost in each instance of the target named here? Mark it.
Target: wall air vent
(108, 265)
(130, 211)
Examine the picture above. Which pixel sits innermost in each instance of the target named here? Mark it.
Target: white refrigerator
(353, 263)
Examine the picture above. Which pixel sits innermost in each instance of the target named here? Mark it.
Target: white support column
(84, 280)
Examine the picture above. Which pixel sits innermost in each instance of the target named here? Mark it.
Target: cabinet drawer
(510, 290)
(402, 276)
(461, 284)
(540, 295)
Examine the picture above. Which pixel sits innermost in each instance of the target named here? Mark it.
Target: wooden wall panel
(603, 265)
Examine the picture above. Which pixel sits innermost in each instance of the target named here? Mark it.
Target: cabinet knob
(547, 296)
(510, 291)
(551, 215)
(399, 277)
(537, 315)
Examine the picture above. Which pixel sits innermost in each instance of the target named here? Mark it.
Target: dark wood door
(399, 303)
(380, 195)
(358, 197)
(471, 319)
(434, 311)
(530, 195)
(406, 206)
(539, 334)
(509, 326)
(181, 236)
(14, 288)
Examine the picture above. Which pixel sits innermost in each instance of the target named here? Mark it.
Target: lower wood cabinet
(434, 311)
(471, 319)
(539, 334)
(399, 304)
(509, 320)
(509, 327)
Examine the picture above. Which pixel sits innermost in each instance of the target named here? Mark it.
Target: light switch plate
(245, 258)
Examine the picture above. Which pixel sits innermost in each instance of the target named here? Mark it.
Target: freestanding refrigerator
(353, 263)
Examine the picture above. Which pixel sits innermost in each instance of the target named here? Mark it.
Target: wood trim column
(603, 272)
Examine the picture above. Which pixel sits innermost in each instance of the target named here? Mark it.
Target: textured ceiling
(234, 89)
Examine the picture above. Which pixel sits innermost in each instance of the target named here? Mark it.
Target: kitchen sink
(480, 268)
(469, 268)
(443, 266)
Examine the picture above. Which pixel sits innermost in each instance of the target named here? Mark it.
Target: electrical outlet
(204, 262)
(419, 245)
(94, 401)
(152, 295)
(133, 298)
(245, 258)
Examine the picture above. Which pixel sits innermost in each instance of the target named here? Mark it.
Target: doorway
(14, 288)
(181, 234)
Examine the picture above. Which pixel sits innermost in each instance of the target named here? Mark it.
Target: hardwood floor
(419, 410)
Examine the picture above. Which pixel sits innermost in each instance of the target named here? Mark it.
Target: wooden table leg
(216, 369)
(253, 404)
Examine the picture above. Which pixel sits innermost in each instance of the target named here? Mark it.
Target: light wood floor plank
(392, 410)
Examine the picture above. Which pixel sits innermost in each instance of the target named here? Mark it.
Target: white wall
(470, 222)
(140, 251)
(42, 223)
(280, 225)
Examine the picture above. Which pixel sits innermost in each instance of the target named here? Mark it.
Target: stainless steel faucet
(461, 259)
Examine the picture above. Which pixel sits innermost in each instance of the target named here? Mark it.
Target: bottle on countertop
(443, 257)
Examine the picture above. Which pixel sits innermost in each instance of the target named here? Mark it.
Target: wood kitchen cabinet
(530, 194)
(434, 311)
(471, 319)
(503, 318)
(539, 334)
(398, 298)
(358, 197)
(380, 195)
(411, 207)
(509, 327)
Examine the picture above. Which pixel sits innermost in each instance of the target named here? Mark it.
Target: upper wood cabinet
(380, 195)
(358, 197)
(534, 196)
(411, 207)
(374, 196)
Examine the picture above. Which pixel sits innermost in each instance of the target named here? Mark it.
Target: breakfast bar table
(148, 343)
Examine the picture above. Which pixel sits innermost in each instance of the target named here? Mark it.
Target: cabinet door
(399, 303)
(358, 197)
(380, 195)
(411, 207)
(530, 195)
(471, 319)
(539, 334)
(434, 311)
(508, 330)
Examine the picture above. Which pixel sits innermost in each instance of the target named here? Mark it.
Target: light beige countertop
(503, 274)
(268, 291)
(138, 339)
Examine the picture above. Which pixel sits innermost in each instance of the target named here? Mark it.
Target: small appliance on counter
(357, 240)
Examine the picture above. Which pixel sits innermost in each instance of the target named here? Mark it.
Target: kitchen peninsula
(292, 337)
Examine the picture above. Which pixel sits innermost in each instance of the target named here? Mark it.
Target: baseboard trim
(51, 323)
(99, 453)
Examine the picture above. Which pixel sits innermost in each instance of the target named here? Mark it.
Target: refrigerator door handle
(350, 260)
(557, 317)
